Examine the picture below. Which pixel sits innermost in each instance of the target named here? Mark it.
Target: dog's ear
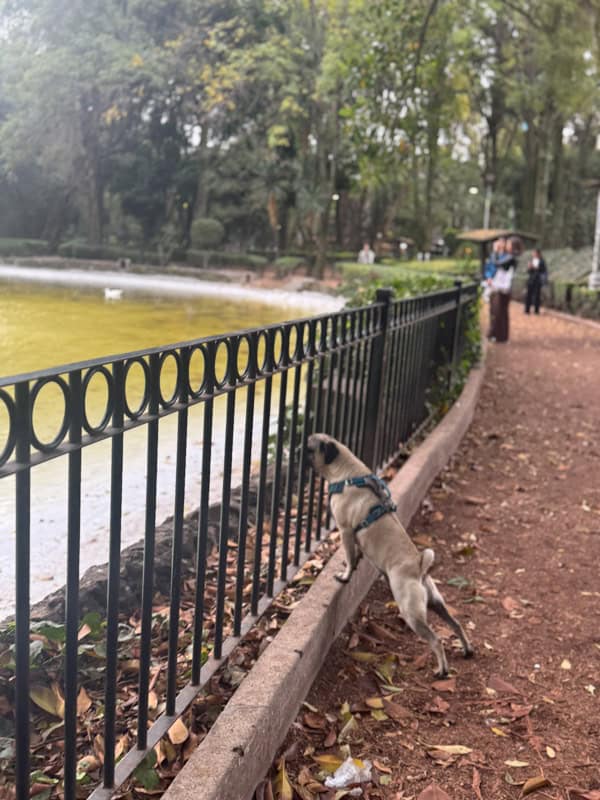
(330, 451)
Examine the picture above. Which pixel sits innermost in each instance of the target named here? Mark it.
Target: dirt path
(515, 524)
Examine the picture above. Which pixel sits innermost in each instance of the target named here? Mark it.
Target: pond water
(43, 325)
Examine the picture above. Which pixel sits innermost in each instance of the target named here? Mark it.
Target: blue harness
(378, 487)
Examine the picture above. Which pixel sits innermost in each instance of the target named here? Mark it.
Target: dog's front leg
(352, 555)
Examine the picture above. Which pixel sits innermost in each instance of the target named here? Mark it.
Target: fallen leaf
(499, 685)
(446, 685)
(476, 783)
(509, 604)
(49, 698)
(379, 716)
(498, 732)
(282, 787)
(381, 767)
(314, 721)
(374, 702)
(533, 784)
(178, 732)
(433, 792)
(583, 794)
(396, 711)
(84, 701)
(517, 764)
(366, 658)
(565, 664)
(331, 738)
(452, 749)
(329, 762)
(550, 752)
(591, 689)
(438, 706)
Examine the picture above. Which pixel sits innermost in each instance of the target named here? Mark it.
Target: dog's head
(321, 451)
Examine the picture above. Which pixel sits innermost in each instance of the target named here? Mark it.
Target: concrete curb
(590, 323)
(240, 747)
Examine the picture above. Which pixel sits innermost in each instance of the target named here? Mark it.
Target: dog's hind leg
(352, 555)
(436, 603)
(411, 598)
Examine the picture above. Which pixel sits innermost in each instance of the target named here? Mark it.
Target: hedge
(23, 247)
(206, 259)
(574, 298)
(78, 249)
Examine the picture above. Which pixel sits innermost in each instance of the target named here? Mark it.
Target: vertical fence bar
(262, 488)
(246, 463)
(112, 605)
(202, 544)
(277, 472)
(456, 336)
(180, 469)
(149, 540)
(72, 589)
(375, 378)
(315, 428)
(224, 523)
(22, 564)
(289, 489)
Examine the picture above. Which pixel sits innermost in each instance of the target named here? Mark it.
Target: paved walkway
(515, 524)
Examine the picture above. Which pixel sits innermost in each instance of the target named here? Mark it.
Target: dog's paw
(469, 652)
(440, 675)
(341, 577)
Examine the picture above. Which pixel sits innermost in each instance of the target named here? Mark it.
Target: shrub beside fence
(363, 375)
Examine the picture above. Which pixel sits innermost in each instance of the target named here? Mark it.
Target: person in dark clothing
(537, 273)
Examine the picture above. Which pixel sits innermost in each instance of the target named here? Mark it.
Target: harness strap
(377, 486)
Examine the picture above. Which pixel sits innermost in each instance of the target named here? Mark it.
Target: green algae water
(45, 325)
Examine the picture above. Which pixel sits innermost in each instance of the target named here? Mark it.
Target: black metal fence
(362, 374)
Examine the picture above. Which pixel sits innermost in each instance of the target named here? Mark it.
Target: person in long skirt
(500, 286)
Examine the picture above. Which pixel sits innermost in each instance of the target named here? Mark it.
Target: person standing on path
(501, 284)
(537, 274)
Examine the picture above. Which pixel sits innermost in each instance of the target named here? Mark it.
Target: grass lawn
(392, 270)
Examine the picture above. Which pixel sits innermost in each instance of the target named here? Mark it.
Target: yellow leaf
(374, 702)
(329, 762)
(357, 655)
(178, 732)
(550, 752)
(137, 61)
(49, 698)
(281, 785)
(453, 749)
(517, 764)
(84, 701)
(379, 716)
(565, 664)
(533, 784)
(498, 732)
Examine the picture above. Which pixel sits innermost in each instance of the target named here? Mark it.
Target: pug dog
(369, 525)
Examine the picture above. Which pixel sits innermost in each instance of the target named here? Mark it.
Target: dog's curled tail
(427, 559)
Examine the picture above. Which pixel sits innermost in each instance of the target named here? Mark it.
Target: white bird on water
(113, 294)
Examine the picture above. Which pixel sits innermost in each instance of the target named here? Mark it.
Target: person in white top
(366, 255)
(500, 286)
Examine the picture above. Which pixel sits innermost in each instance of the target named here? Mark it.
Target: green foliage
(361, 282)
(206, 233)
(23, 247)
(84, 250)
(206, 259)
(285, 265)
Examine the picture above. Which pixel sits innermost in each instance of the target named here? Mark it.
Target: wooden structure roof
(485, 235)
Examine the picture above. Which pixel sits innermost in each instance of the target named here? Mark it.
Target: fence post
(383, 297)
(456, 337)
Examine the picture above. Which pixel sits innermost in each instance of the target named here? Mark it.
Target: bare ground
(515, 524)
